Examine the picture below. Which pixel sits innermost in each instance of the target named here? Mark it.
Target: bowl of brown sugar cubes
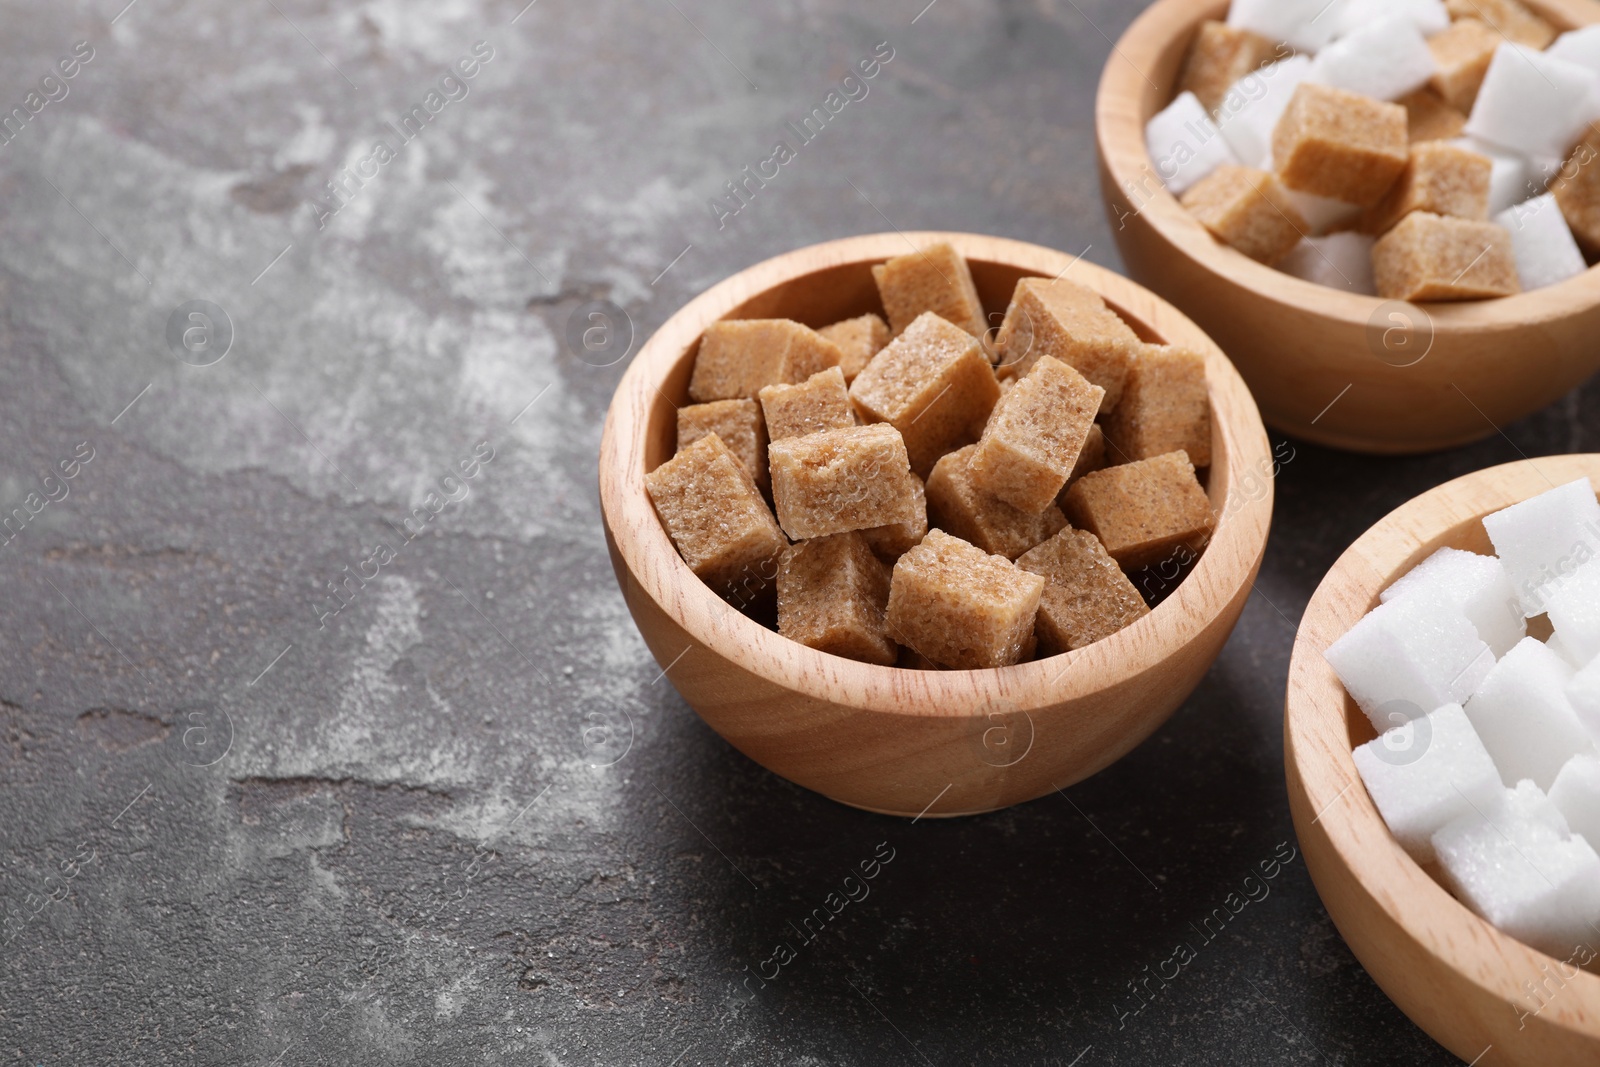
(1384, 211)
(933, 523)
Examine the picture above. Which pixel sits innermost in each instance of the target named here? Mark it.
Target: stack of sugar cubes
(1411, 149)
(1486, 762)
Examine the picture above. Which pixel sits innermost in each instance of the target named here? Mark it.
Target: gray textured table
(272, 794)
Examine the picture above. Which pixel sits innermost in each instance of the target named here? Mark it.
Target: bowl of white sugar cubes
(1442, 744)
(1385, 211)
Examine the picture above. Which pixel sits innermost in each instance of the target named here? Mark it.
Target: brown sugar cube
(717, 519)
(1431, 257)
(859, 339)
(834, 481)
(933, 384)
(1093, 456)
(1442, 178)
(1066, 321)
(960, 606)
(1220, 56)
(935, 279)
(821, 402)
(1461, 54)
(1249, 210)
(1429, 117)
(893, 541)
(739, 357)
(1143, 511)
(1086, 595)
(738, 423)
(1508, 18)
(912, 660)
(1167, 408)
(1332, 142)
(958, 506)
(1577, 190)
(832, 592)
(1034, 437)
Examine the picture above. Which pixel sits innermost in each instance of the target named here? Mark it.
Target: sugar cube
(1033, 438)
(1511, 179)
(1092, 458)
(1545, 539)
(1247, 209)
(1525, 877)
(1428, 16)
(1544, 247)
(1584, 692)
(1184, 144)
(738, 357)
(1478, 586)
(932, 383)
(1461, 56)
(1510, 19)
(960, 606)
(1576, 795)
(1334, 143)
(1442, 178)
(1166, 407)
(1305, 24)
(1533, 104)
(834, 481)
(738, 423)
(1221, 55)
(1339, 260)
(935, 279)
(1576, 187)
(821, 402)
(717, 519)
(1429, 117)
(1069, 322)
(1383, 60)
(1086, 598)
(1553, 643)
(1574, 610)
(1408, 656)
(956, 505)
(1252, 107)
(1433, 257)
(1580, 46)
(1143, 511)
(832, 594)
(1322, 213)
(1425, 773)
(892, 541)
(1522, 713)
(859, 339)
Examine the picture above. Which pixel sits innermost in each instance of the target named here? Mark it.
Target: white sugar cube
(1339, 261)
(1306, 24)
(1385, 60)
(1576, 795)
(1427, 773)
(1253, 105)
(1580, 46)
(1477, 585)
(1533, 104)
(1543, 244)
(1584, 693)
(1184, 144)
(1409, 656)
(1428, 16)
(1574, 609)
(1544, 540)
(1522, 713)
(1553, 643)
(1526, 877)
(1321, 213)
(1511, 177)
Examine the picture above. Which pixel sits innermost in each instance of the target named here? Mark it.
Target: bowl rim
(1119, 132)
(1230, 560)
(1317, 720)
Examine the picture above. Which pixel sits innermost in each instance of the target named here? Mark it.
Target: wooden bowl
(911, 742)
(1455, 975)
(1338, 368)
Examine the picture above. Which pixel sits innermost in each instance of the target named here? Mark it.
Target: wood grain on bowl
(1334, 367)
(903, 741)
(1455, 975)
